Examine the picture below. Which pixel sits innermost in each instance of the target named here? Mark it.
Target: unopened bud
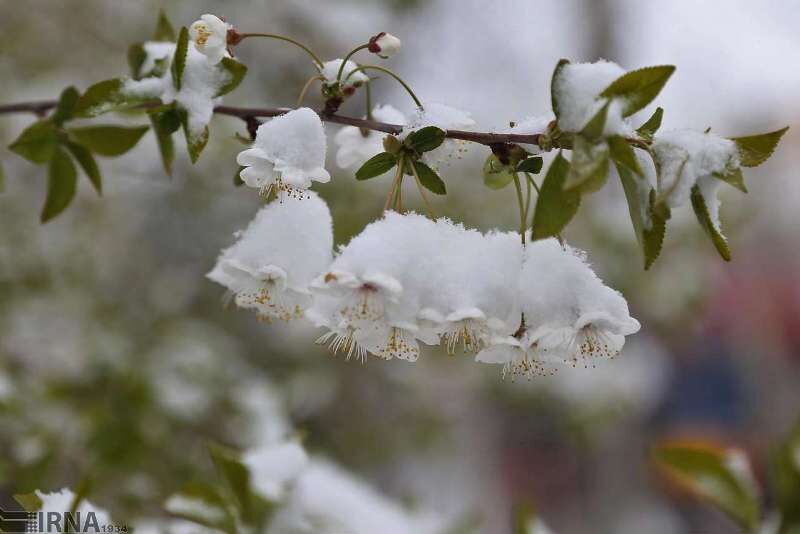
(384, 44)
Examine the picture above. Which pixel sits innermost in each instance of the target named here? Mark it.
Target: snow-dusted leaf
(588, 170)
(594, 128)
(108, 140)
(651, 126)
(61, 183)
(103, 97)
(638, 88)
(165, 123)
(236, 71)
(755, 149)
(202, 504)
(136, 58)
(37, 143)
(704, 216)
(376, 165)
(553, 93)
(622, 153)
(65, 109)
(428, 178)
(495, 174)
(555, 207)
(733, 177)
(649, 224)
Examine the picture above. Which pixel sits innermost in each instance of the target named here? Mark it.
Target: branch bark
(484, 138)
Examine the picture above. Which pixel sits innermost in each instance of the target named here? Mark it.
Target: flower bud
(384, 45)
(392, 144)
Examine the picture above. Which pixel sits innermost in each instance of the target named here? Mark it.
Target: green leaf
(495, 174)
(786, 481)
(531, 165)
(594, 128)
(195, 142)
(108, 140)
(712, 473)
(179, 61)
(649, 224)
(88, 164)
(428, 178)
(376, 165)
(100, 98)
(202, 504)
(703, 215)
(65, 109)
(589, 168)
(638, 88)
(37, 143)
(236, 475)
(651, 126)
(136, 58)
(236, 71)
(166, 122)
(755, 149)
(29, 501)
(425, 139)
(733, 177)
(553, 81)
(61, 184)
(164, 30)
(555, 207)
(622, 153)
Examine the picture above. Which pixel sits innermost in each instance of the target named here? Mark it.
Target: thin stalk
(390, 73)
(348, 56)
(317, 60)
(306, 87)
(368, 102)
(523, 219)
(397, 177)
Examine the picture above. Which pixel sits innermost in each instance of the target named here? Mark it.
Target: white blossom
(288, 154)
(210, 37)
(350, 79)
(577, 88)
(356, 145)
(273, 468)
(688, 157)
(384, 45)
(569, 313)
(281, 251)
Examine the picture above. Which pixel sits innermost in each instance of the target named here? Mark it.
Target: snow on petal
(273, 468)
(330, 70)
(271, 265)
(356, 146)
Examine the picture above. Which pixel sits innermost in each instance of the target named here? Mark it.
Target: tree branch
(484, 138)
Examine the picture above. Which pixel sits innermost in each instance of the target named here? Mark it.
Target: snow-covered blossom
(327, 500)
(210, 37)
(330, 71)
(686, 158)
(287, 155)
(577, 87)
(281, 251)
(384, 44)
(572, 316)
(274, 467)
(61, 502)
(369, 297)
(356, 145)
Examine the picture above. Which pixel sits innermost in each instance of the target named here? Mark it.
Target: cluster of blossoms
(407, 278)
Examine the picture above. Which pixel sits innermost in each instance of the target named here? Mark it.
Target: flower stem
(348, 56)
(317, 60)
(523, 219)
(397, 178)
(390, 73)
(305, 89)
(368, 102)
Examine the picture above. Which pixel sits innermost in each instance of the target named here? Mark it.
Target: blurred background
(119, 362)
